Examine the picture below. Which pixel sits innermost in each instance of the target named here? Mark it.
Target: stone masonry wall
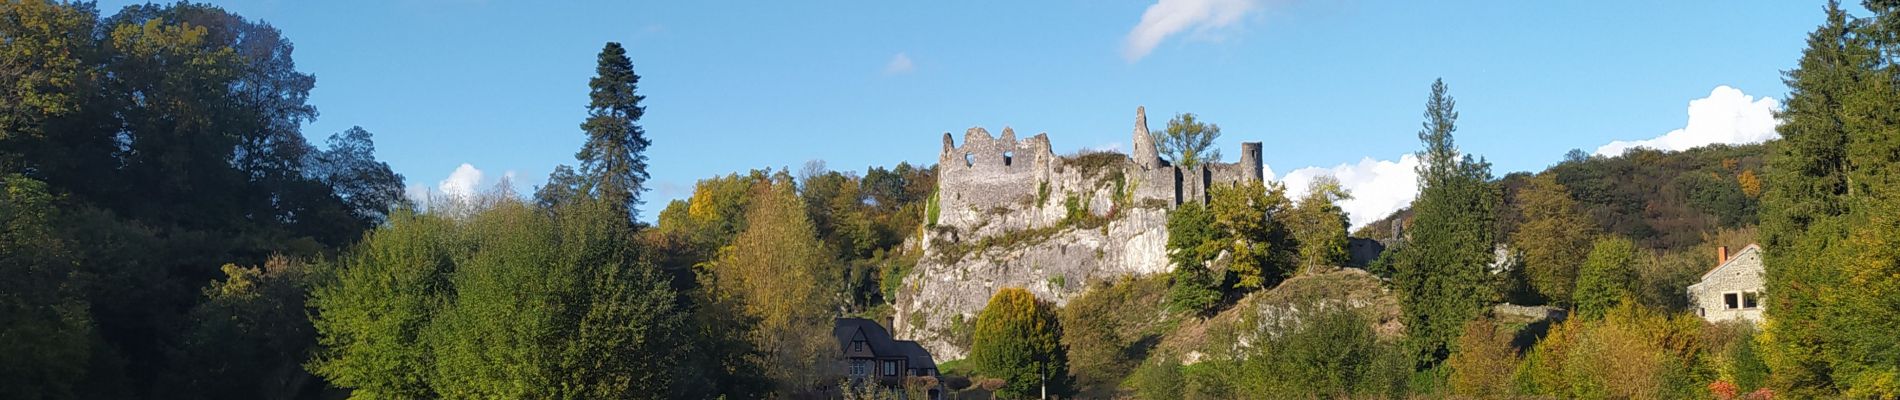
(1743, 273)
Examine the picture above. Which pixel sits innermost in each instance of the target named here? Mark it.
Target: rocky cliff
(1010, 213)
(1081, 226)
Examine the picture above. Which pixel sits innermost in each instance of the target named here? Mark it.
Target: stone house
(1732, 290)
(866, 351)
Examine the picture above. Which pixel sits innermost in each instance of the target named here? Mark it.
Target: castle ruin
(988, 171)
(1010, 213)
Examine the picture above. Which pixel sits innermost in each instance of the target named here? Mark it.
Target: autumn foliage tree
(777, 269)
(1018, 339)
(1319, 224)
(1554, 236)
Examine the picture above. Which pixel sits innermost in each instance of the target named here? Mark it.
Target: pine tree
(613, 161)
(1829, 214)
(1442, 277)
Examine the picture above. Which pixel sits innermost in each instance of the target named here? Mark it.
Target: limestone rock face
(1035, 240)
(1010, 213)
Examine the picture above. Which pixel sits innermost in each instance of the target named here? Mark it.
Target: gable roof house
(1732, 290)
(866, 351)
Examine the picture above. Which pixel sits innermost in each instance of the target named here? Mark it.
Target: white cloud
(1169, 17)
(1726, 116)
(1378, 187)
(464, 183)
(899, 64)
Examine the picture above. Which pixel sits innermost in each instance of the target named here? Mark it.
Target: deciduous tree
(1188, 141)
(1555, 237)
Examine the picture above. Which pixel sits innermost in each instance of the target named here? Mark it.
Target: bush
(1330, 353)
(1482, 365)
(1111, 328)
(1633, 352)
(1157, 380)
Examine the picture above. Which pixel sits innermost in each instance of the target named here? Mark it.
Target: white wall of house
(1732, 290)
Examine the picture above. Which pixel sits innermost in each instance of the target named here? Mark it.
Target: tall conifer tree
(1829, 215)
(614, 161)
(1443, 273)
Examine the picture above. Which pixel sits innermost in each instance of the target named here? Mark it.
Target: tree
(563, 186)
(250, 337)
(1193, 241)
(1018, 339)
(371, 316)
(43, 314)
(1188, 142)
(504, 301)
(778, 270)
(367, 187)
(1827, 214)
(1252, 216)
(1442, 278)
(1319, 225)
(613, 160)
(1607, 277)
(1555, 236)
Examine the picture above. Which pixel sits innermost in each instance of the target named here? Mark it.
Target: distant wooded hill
(1662, 200)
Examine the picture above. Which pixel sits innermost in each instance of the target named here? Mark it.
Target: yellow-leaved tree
(775, 268)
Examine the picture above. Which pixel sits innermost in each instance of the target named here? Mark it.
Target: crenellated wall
(988, 172)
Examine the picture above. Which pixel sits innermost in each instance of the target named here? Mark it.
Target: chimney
(1721, 255)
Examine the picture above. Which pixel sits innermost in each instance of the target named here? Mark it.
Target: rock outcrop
(1010, 213)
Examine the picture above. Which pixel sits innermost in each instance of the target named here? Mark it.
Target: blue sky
(1336, 85)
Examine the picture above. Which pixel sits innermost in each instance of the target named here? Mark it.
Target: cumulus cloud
(1726, 116)
(463, 183)
(1379, 187)
(899, 64)
(1169, 17)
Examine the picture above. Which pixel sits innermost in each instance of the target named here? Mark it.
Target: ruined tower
(1250, 164)
(1145, 154)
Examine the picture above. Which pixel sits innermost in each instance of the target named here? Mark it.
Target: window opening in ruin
(1008, 156)
(969, 159)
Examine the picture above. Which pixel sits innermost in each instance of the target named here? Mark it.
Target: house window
(857, 367)
(1732, 300)
(1750, 300)
(890, 368)
(857, 345)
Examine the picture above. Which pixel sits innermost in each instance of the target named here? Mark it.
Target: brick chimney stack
(1721, 255)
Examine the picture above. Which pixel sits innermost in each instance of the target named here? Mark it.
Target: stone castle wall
(989, 172)
(1019, 193)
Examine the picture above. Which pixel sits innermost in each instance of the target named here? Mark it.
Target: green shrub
(1157, 380)
(932, 209)
(1329, 353)
(1111, 328)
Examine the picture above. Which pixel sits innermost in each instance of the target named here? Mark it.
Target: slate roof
(845, 330)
